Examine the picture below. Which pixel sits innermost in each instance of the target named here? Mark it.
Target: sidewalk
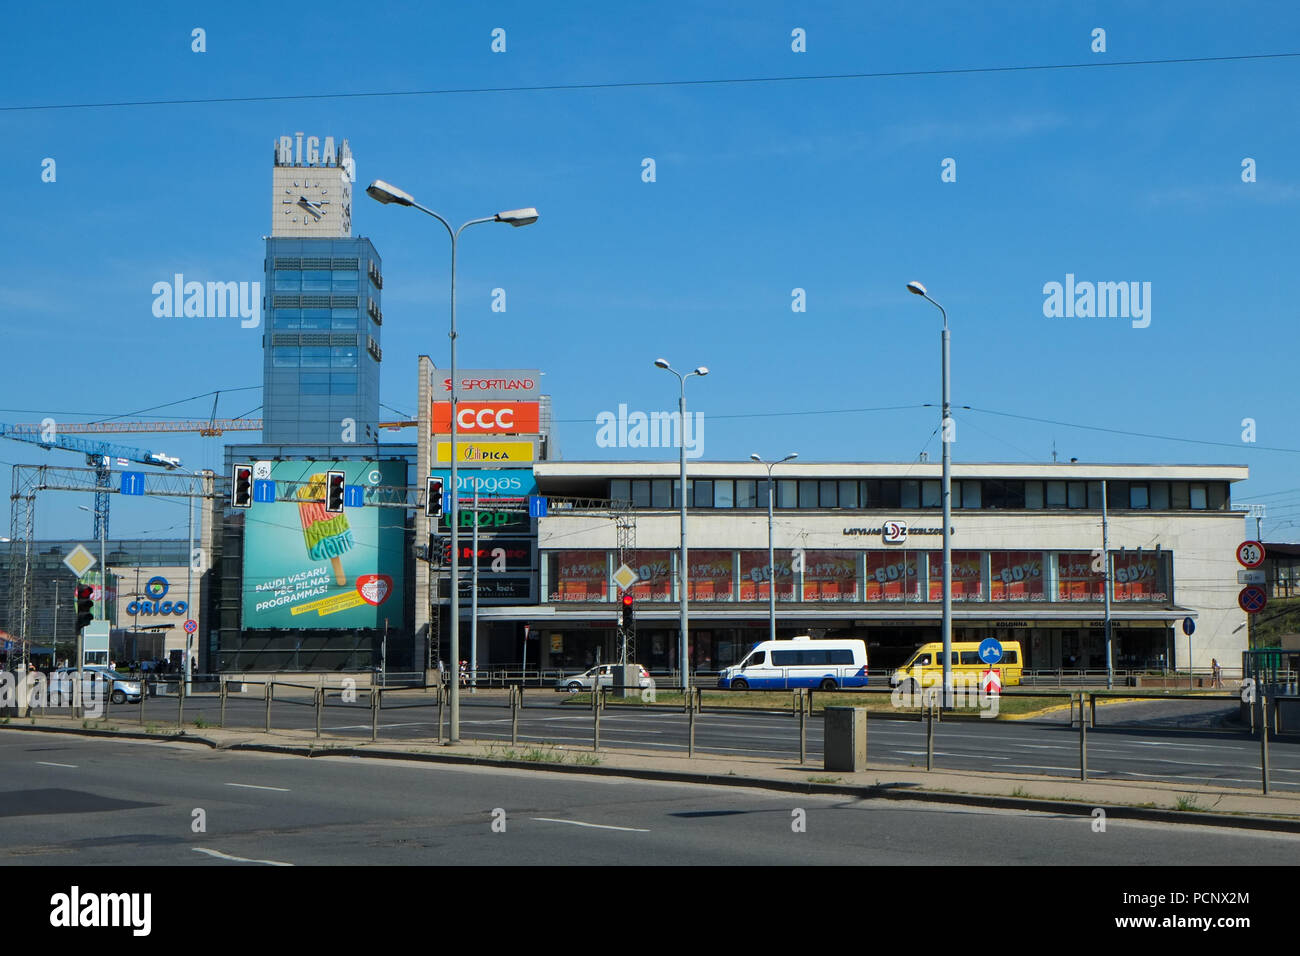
(1157, 801)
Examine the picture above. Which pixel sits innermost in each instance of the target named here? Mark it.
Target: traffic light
(241, 486)
(334, 491)
(85, 605)
(433, 497)
(627, 613)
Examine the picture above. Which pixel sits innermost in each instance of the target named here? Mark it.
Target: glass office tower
(321, 344)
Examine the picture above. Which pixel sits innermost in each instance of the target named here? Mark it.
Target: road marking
(597, 826)
(253, 786)
(237, 859)
(47, 763)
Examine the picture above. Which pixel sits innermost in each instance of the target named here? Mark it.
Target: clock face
(310, 202)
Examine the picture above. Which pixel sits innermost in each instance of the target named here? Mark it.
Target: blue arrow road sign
(264, 489)
(354, 496)
(133, 482)
(1189, 626)
(990, 650)
(536, 506)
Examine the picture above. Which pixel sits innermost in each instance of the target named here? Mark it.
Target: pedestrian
(1217, 671)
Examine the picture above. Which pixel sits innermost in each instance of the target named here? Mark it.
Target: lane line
(49, 763)
(596, 826)
(253, 786)
(237, 859)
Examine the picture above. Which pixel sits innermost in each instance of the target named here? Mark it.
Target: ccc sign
(487, 418)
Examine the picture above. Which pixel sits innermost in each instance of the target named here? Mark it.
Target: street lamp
(771, 553)
(945, 434)
(683, 576)
(387, 193)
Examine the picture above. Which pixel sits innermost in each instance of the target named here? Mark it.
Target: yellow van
(925, 667)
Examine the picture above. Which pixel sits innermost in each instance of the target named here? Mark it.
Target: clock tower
(323, 305)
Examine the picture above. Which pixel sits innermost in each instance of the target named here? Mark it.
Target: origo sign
(155, 590)
(487, 418)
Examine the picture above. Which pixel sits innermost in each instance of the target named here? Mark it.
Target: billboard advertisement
(307, 568)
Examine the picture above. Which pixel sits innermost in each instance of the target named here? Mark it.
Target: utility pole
(1105, 557)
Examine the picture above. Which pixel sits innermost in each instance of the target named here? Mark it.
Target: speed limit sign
(1250, 554)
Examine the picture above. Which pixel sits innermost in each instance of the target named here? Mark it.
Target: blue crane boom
(97, 455)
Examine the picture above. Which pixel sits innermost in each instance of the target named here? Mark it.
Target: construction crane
(98, 454)
(210, 427)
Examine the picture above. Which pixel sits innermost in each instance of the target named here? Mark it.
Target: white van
(800, 662)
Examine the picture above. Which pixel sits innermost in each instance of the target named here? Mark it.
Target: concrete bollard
(845, 731)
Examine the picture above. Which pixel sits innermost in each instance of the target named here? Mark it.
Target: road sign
(992, 681)
(263, 490)
(625, 577)
(354, 496)
(990, 650)
(536, 506)
(1188, 626)
(1250, 554)
(1252, 577)
(1252, 599)
(79, 560)
(191, 626)
(133, 482)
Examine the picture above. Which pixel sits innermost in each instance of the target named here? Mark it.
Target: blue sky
(833, 186)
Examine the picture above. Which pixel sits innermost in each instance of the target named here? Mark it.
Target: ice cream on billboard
(326, 535)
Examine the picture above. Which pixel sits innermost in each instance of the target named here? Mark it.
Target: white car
(120, 690)
(602, 675)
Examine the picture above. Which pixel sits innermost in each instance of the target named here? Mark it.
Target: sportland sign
(478, 385)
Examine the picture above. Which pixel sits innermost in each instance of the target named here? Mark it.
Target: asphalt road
(75, 801)
(1143, 748)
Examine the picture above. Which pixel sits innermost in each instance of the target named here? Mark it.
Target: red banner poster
(711, 576)
(966, 584)
(830, 576)
(1016, 576)
(1075, 578)
(892, 576)
(754, 576)
(579, 576)
(1138, 578)
(656, 570)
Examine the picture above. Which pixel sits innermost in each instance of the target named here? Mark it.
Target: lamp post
(771, 551)
(386, 193)
(945, 432)
(683, 575)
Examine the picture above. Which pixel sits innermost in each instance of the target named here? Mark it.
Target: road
(1143, 748)
(77, 801)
